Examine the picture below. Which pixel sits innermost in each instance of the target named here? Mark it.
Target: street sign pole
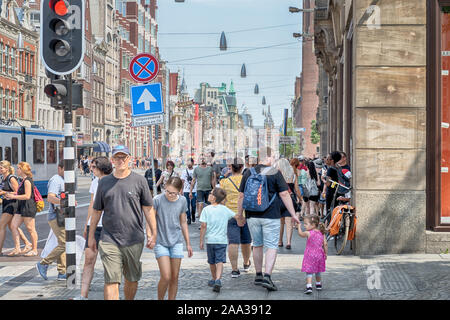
(150, 135)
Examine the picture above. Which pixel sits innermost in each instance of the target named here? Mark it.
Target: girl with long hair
(26, 212)
(9, 184)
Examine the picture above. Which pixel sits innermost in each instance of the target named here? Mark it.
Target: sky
(192, 29)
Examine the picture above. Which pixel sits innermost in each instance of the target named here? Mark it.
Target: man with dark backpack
(260, 192)
(148, 176)
(187, 176)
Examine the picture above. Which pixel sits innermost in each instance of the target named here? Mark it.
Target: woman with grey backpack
(312, 189)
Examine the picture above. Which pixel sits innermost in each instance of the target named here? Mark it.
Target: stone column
(389, 124)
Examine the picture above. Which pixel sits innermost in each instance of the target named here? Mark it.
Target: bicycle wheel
(340, 240)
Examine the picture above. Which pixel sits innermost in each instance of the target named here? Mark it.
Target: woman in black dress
(9, 183)
(26, 212)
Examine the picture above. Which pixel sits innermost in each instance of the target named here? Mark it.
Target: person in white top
(187, 176)
(101, 167)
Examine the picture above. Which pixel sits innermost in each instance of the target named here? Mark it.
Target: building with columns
(384, 67)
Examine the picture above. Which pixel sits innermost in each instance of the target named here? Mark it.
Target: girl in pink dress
(315, 252)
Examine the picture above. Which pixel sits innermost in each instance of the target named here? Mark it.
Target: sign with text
(287, 140)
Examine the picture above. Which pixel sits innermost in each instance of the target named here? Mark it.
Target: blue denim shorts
(265, 232)
(175, 252)
(216, 253)
(238, 235)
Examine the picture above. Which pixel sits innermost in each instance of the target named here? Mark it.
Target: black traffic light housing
(58, 92)
(62, 35)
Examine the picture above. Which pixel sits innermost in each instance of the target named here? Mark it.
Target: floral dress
(314, 256)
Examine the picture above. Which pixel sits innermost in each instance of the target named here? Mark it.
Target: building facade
(306, 109)
(387, 102)
(19, 42)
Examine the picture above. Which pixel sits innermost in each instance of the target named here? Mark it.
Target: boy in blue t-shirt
(214, 220)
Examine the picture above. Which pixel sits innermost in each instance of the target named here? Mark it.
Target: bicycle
(348, 217)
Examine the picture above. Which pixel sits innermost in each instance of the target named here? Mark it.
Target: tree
(291, 150)
(315, 134)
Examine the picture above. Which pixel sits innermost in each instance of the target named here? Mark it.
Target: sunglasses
(173, 194)
(123, 158)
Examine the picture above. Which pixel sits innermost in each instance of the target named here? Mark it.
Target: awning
(101, 146)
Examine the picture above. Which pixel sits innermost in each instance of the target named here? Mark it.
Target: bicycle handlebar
(333, 183)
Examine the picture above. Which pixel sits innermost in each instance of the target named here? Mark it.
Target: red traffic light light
(56, 90)
(61, 7)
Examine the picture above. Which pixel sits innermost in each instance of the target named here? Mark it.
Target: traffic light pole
(69, 187)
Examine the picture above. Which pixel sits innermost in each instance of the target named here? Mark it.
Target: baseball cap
(301, 158)
(120, 149)
(318, 163)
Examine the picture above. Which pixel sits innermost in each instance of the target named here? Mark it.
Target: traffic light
(62, 35)
(58, 92)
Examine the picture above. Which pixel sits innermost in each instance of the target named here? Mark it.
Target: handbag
(60, 218)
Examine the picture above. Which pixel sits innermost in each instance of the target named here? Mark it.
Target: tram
(42, 149)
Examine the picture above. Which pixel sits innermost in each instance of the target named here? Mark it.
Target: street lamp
(256, 89)
(304, 35)
(243, 71)
(295, 10)
(223, 42)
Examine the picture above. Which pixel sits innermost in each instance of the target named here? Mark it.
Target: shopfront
(438, 100)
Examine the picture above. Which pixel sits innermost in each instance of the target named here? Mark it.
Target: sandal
(26, 249)
(288, 247)
(13, 253)
(31, 254)
(280, 244)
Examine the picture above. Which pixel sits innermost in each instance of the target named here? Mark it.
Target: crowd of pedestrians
(247, 203)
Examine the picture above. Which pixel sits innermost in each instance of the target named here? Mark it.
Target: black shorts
(314, 198)
(9, 206)
(202, 196)
(97, 234)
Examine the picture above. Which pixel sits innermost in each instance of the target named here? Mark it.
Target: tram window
(51, 151)
(8, 154)
(1, 153)
(15, 150)
(38, 151)
(61, 150)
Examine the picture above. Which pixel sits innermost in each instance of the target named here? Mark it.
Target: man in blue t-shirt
(55, 188)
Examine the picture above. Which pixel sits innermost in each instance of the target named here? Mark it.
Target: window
(5, 69)
(8, 154)
(1, 55)
(15, 150)
(61, 150)
(13, 61)
(51, 151)
(2, 110)
(38, 151)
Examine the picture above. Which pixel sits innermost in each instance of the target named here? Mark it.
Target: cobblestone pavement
(348, 277)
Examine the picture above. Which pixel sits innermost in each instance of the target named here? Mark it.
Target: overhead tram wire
(235, 64)
(228, 32)
(233, 52)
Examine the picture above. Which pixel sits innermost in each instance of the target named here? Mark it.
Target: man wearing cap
(124, 198)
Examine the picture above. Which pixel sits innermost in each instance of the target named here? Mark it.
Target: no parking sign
(144, 67)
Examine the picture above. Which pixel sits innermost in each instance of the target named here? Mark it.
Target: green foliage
(315, 135)
(291, 149)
